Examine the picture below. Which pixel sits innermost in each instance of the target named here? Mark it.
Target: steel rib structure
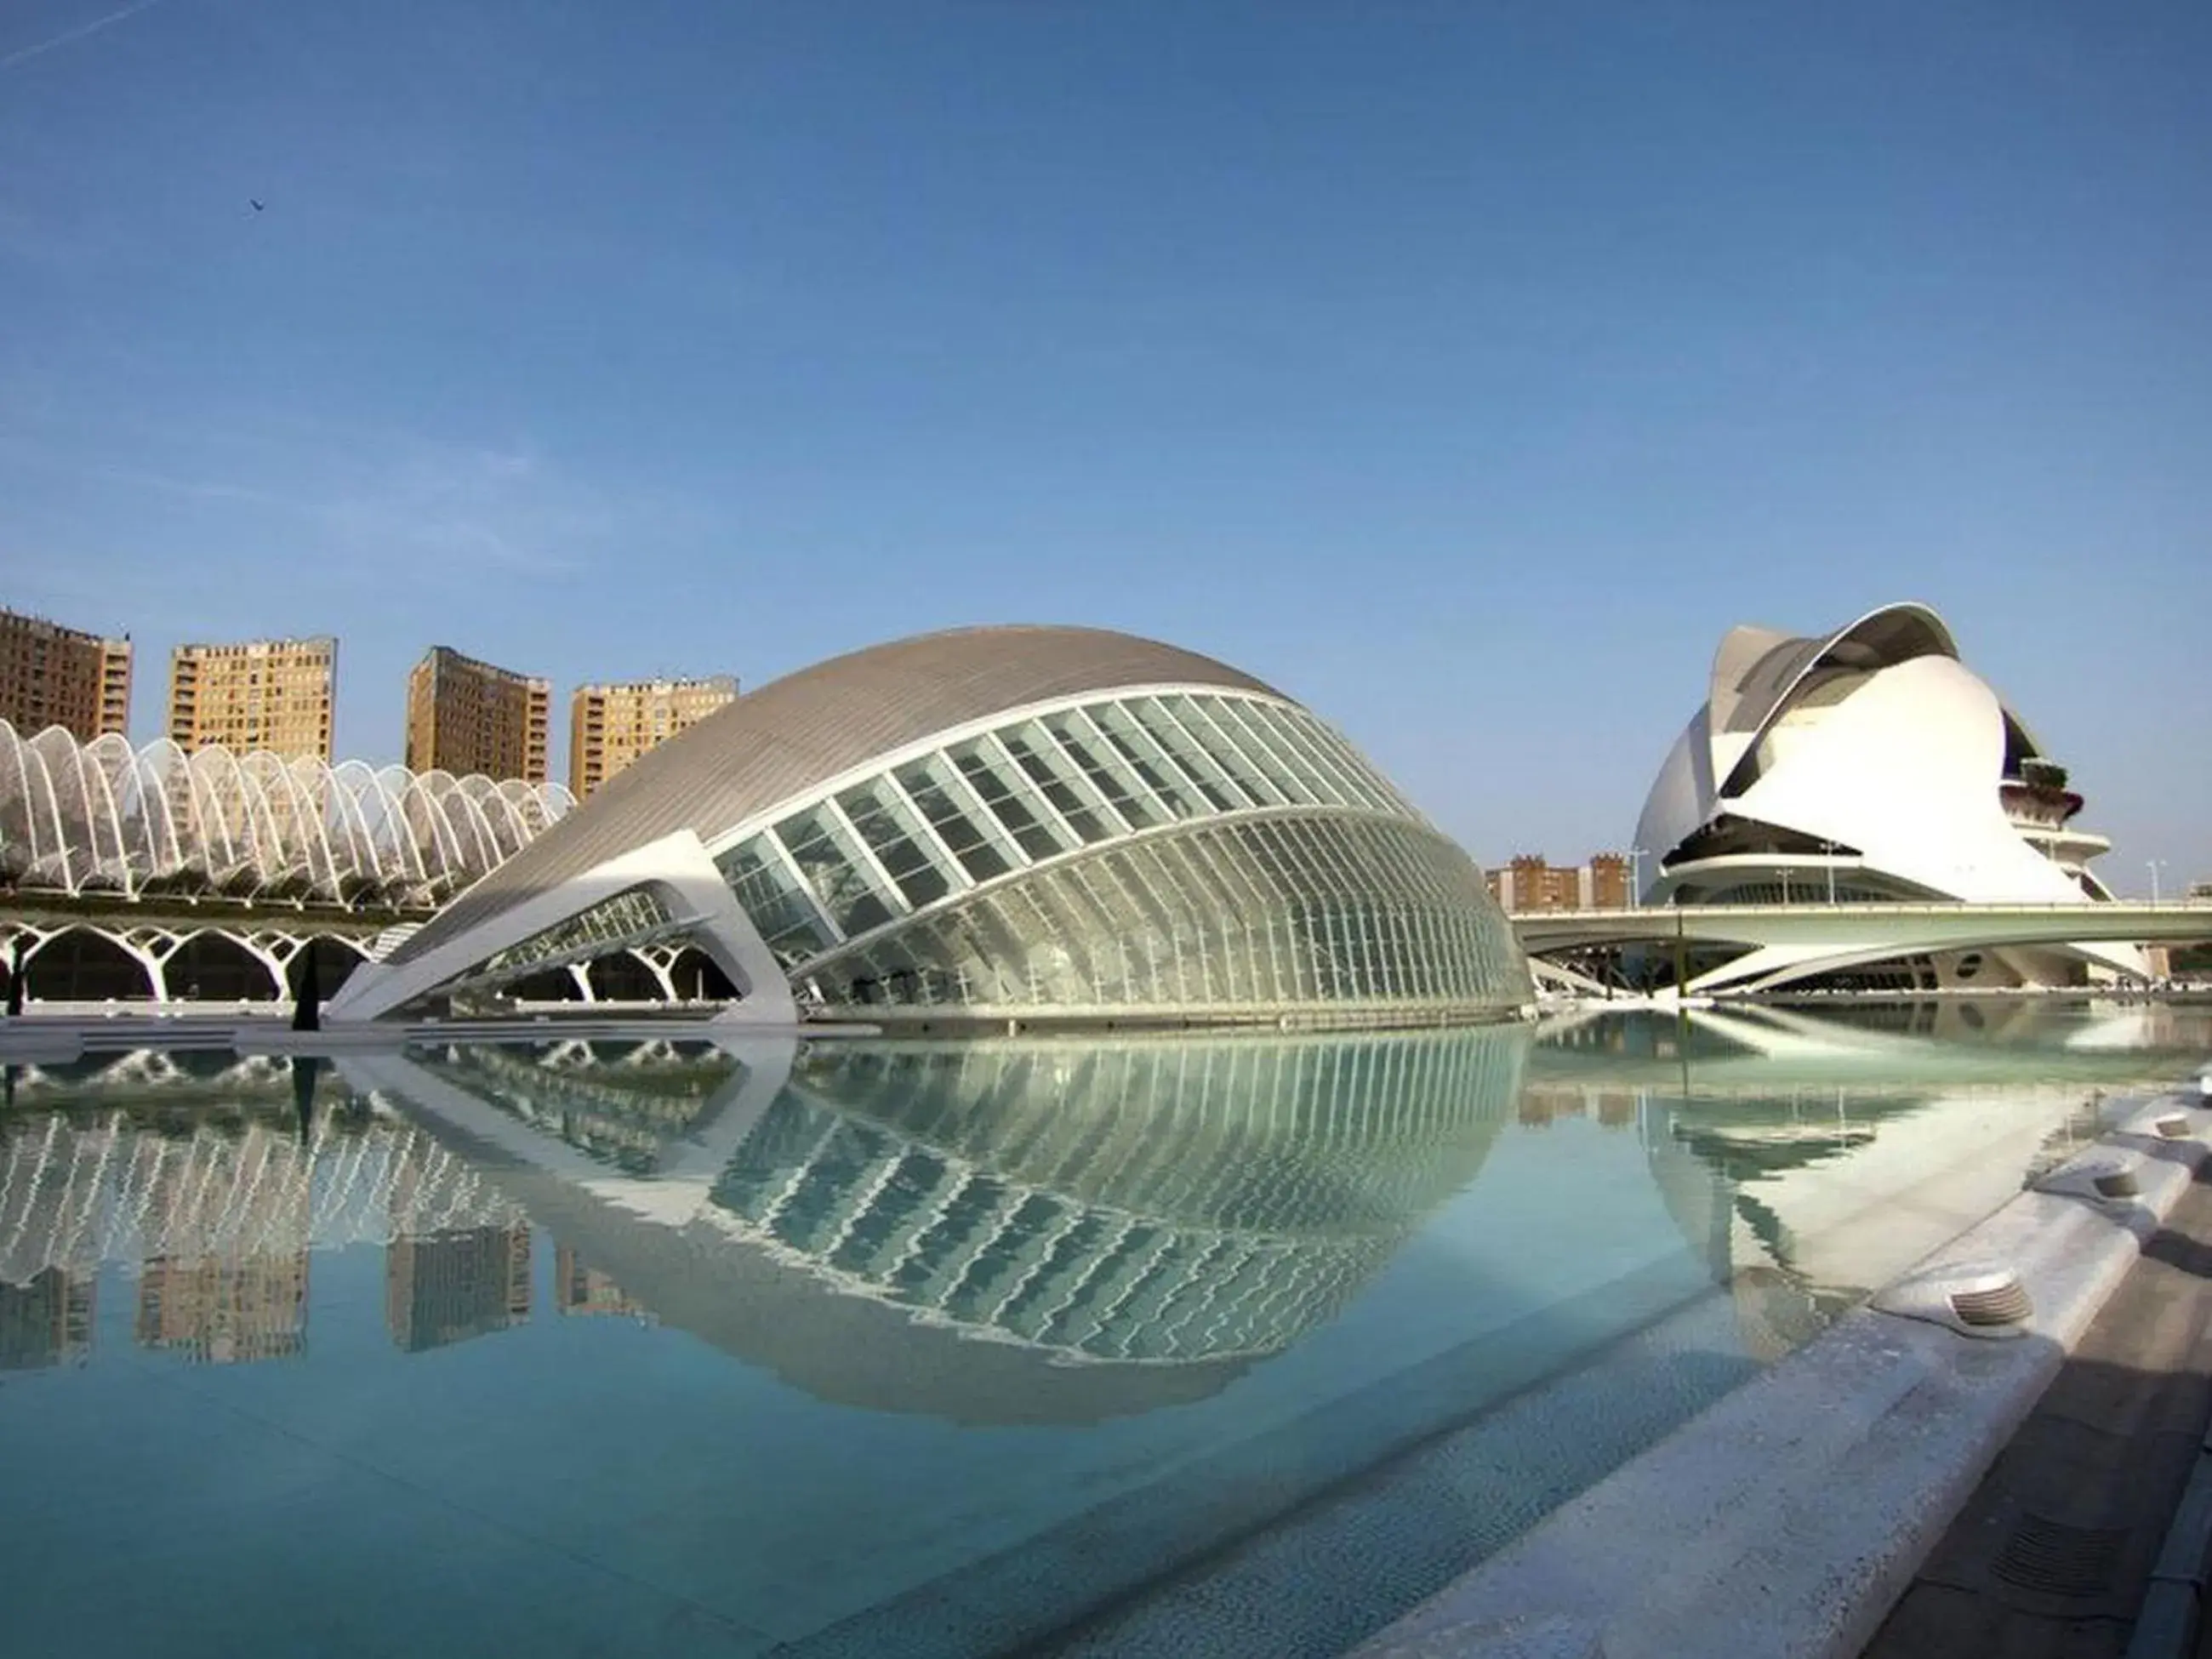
(103, 817)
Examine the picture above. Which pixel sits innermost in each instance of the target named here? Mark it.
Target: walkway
(2051, 1556)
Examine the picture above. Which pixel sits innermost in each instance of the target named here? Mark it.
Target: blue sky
(1464, 369)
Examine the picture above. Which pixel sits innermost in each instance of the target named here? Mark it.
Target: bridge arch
(86, 964)
(336, 958)
(215, 966)
(695, 977)
(625, 976)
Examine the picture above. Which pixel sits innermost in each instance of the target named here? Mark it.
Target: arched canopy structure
(78, 818)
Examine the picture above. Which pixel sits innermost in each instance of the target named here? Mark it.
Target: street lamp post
(1636, 876)
(2155, 865)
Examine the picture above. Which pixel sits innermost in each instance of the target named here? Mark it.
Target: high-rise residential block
(611, 726)
(55, 675)
(467, 716)
(277, 695)
(1530, 883)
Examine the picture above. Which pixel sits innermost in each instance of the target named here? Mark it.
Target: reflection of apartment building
(203, 1293)
(47, 1322)
(611, 726)
(1530, 883)
(465, 716)
(581, 1289)
(1542, 1105)
(55, 675)
(449, 1286)
(277, 695)
(225, 1310)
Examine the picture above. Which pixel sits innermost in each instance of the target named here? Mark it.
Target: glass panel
(1364, 784)
(1109, 769)
(1291, 910)
(1293, 766)
(1008, 800)
(1146, 758)
(1065, 786)
(893, 834)
(951, 808)
(782, 910)
(1234, 763)
(1200, 768)
(833, 868)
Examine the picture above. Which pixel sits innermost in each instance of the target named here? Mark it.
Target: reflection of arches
(697, 977)
(212, 967)
(78, 965)
(546, 985)
(622, 977)
(335, 960)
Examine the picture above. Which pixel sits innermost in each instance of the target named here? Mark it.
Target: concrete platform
(2053, 1555)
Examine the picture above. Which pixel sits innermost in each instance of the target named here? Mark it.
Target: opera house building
(1020, 824)
(1870, 765)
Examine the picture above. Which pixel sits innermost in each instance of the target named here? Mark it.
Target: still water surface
(896, 1349)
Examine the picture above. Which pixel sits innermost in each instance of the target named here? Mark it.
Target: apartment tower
(55, 675)
(611, 726)
(1530, 883)
(276, 695)
(466, 716)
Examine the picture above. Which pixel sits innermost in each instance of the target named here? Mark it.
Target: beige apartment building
(277, 695)
(1531, 883)
(55, 675)
(611, 726)
(467, 716)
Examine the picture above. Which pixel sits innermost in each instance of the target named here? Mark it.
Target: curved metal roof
(783, 739)
(1749, 689)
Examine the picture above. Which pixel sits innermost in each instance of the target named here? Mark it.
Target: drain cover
(2049, 1556)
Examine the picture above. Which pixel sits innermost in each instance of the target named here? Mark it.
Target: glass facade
(1134, 855)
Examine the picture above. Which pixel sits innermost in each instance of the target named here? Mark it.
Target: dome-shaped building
(1017, 822)
(1868, 765)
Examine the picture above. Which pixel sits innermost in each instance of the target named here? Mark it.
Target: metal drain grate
(2049, 1556)
(2005, 1305)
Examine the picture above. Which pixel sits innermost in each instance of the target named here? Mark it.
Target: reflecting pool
(1221, 1345)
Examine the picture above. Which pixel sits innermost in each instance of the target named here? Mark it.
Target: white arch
(75, 817)
(19, 839)
(45, 807)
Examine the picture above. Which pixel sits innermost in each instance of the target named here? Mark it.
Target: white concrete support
(675, 867)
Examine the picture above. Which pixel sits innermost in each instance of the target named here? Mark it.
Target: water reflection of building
(1814, 1155)
(1126, 1225)
(580, 1288)
(452, 1285)
(233, 1288)
(216, 1208)
(221, 1312)
(45, 1321)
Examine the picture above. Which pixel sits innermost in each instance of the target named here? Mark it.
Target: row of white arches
(101, 816)
(84, 963)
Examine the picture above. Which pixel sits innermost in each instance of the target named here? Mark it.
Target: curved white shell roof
(1874, 742)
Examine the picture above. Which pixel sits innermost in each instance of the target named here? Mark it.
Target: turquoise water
(1231, 1345)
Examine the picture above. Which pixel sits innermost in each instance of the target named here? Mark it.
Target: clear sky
(1465, 369)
